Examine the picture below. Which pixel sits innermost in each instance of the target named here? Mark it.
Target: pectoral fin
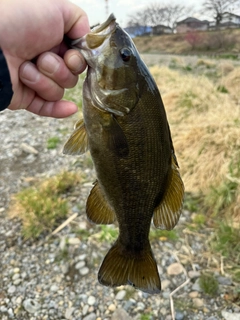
(97, 208)
(167, 214)
(77, 144)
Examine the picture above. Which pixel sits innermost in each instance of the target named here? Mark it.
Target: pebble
(198, 302)
(80, 264)
(230, 316)
(194, 274)
(165, 284)
(54, 288)
(91, 316)
(196, 286)
(91, 300)
(193, 294)
(31, 305)
(74, 241)
(120, 314)
(179, 315)
(224, 281)
(174, 269)
(120, 295)
(84, 271)
(11, 289)
(112, 307)
(68, 313)
(28, 149)
(85, 309)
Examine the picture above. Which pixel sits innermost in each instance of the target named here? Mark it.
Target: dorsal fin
(77, 144)
(97, 208)
(167, 213)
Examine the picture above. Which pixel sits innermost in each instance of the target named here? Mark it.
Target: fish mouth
(97, 36)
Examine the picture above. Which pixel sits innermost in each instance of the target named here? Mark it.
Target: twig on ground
(64, 224)
(178, 288)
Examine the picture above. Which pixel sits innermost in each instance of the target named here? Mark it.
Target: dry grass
(205, 125)
(232, 83)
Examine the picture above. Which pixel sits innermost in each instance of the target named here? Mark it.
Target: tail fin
(139, 270)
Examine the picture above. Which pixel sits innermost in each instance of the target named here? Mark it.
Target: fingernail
(29, 72)
(49, 63)
(75, 63)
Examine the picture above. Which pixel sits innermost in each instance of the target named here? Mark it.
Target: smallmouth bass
(126, 130)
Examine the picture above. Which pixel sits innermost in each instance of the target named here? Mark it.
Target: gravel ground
(56, 277)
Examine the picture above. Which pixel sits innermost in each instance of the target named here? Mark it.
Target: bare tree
(174, 12)
(218, 7)
(159, 13)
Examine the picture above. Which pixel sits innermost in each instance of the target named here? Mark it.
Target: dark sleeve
(6, 92)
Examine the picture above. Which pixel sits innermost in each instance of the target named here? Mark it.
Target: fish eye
(125, 54)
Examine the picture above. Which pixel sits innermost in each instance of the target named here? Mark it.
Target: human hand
(33, 31)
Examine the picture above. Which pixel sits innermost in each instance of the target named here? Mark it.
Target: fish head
(114, 72)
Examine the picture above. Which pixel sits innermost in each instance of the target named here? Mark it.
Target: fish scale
(126, 130)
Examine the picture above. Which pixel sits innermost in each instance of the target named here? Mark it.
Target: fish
(126, 130)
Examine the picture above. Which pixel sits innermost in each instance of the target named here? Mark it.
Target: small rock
(194, 274)
(16, 276)
(11, 289)
(140, 306)
(16, 270)
(179, 315)
(54, 288)
(80, 264)
(91, 300)
(230, 316)
(91, 316)
(10, 313)
(31, 305)
(198, 302)
(212, 318)
(84, 271)
(120, 295)
(28, 149)
(165, 284)
(74, 241)
(224, 281)
(85, 310)
(120, 314)
(193, 294)
(196, 286)
(68, 313)
(174, 269)
(112, 307)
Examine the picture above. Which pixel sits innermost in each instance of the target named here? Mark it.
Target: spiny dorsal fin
(167, 214)
(97, 208)
(77, 144)
(139, 270)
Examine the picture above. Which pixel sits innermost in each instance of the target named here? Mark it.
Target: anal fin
(167, 213)
(77, 144)
(97, 208)
(139, 270)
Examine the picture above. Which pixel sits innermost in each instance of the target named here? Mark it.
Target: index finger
(76, 23)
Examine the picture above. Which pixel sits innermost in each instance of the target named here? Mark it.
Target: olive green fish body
(126, 130)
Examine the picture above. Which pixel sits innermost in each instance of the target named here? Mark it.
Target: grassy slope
(213, 42)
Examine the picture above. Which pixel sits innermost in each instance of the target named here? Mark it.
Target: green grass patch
(108, 233)
(43, 206)
(156, 234)
(53, 142)
(222, 89)
(226, 241)
(209, 284)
